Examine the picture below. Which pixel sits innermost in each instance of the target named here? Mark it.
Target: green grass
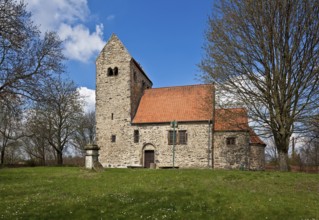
(75, 193)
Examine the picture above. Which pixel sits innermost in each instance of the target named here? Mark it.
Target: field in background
(75, 193)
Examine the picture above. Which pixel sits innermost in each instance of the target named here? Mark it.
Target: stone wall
(231, 156)
(257, 157)
(139, 82)
(195, 154)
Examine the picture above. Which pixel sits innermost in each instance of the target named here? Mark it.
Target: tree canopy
(266, 52)
(26, 57)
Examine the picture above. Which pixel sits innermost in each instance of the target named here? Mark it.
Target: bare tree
(35, 143)
(58, 113)
(85, 132)
(271, 152)
(266, 52)
(26, 58)
(310, 150)
(309, 154)
(10, 132)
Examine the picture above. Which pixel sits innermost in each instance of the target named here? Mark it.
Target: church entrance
(148, 158)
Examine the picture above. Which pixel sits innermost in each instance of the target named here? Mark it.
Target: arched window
(116, 71)
(109, 72)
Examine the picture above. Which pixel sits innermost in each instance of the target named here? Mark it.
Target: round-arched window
(109, 72)
(116, 71)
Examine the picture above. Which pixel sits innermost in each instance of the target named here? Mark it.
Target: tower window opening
(116, 71)
(113, 138)
(134, 76)
(109, 72)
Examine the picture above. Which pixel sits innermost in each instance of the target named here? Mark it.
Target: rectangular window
(113, 138)
(231, 141)
(182, 137)
(171, 137)
(136, 136)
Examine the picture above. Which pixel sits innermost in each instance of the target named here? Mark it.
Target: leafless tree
(26, 58)
(309, 154)
(266, 52)
(58, 113)
(271, 152)
(10, 132)
(85, 132)
(35, 143)
(310, 149)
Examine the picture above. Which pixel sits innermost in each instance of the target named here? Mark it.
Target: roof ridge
(231, 108)
(169, 87)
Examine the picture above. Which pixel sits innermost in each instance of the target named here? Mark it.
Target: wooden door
(148, 158)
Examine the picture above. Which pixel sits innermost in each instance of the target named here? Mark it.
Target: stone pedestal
(91, 156)
(152, 166)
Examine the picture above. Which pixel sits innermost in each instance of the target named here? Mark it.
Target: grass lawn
(76, 193)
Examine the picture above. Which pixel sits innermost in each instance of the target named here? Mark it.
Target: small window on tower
(134, 76)
(113, 138)
(109, 72)
(116, 71)
(112, 116)
(136, 136)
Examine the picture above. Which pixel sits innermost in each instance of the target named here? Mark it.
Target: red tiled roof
(254, 139)
(182, 103)
(235, 119)
(232, 119)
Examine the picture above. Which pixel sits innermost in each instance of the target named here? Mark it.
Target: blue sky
(164, 36)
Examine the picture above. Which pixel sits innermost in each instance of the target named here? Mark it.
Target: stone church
(141, 126)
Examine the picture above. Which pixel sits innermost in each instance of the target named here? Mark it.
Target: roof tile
(231, 119)
(182, 103)
(254, 139)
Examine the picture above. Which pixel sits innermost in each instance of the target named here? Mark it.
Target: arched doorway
(148, 155)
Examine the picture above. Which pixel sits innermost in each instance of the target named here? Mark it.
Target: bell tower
(120, 83)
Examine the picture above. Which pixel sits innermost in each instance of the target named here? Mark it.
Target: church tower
(120, 84)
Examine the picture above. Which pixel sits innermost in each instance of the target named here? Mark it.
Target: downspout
(213, 127)
(209, 143)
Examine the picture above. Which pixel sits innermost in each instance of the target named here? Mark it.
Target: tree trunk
(282, 144)
(2, 155)
(43, 156)
(59, 158)
(283, 161)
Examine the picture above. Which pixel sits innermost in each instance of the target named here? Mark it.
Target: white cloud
(88, 95)
(80, 44)
(50, 14)
(67, 18)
